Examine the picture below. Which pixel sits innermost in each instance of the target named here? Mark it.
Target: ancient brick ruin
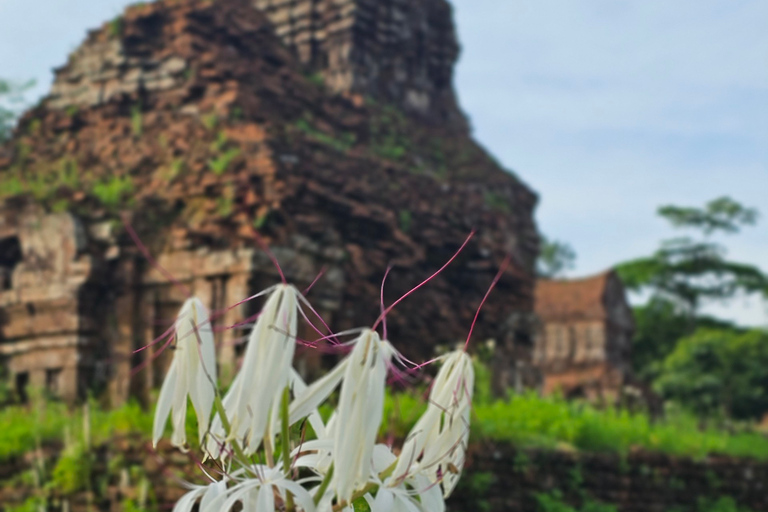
(199, 122)
(397, 51)
(584, 342)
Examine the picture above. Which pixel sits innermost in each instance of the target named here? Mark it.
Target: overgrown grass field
(525, 420)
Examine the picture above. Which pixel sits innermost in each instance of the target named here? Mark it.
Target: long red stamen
(381, 301)
(145, 252)
(150, 359)
(157, 340)
(269, 253)
(312, 285)
(496, 279)
(398, 301)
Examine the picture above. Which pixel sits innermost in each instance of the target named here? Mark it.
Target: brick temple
(330, 127)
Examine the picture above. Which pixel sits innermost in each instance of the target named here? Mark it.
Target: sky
(606, 108)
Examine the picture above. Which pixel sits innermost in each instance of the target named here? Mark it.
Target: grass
(525, 420)
(530, 421)
(23, 429)
(343, 143)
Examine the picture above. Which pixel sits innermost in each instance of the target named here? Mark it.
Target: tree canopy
(719, 371)
(11, 100)
(691, 358)
(555, 258)
(688, 271)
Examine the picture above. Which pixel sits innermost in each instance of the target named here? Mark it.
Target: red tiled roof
(577, 299)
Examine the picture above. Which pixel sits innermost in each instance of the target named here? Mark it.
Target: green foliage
(11, 102)
(496, 202)
(360, 505)
(528, 420)
(553, 502)
(719, 371)
(342, 144)
(220, 164)
(72, 472)
(688, 271)
(211, 121)
(659, 325)
(723, 504)
(113, 191)
(317, 79)
(137, 121)
(681, 275)
(23, 427)
(722, 214)
(116, 27)
(33, 504)
(224, 206)
(405, 220)
(387, 132)
(555, 258)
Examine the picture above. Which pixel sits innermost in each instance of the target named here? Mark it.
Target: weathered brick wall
(400, 51)
(500, 478)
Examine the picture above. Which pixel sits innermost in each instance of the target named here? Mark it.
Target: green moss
(496, 202)
(137, 121)
(116, 27)
(210, 121)
(406, 220)
(343, 143)
(114, 191)
(220, 164)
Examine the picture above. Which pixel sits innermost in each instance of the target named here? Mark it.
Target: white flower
(415, 493)
(437, 444)
(257, 493)
(361, 406)
(208, 493)
(253, 402)
(192, 374)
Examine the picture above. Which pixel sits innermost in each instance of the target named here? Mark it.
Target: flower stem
(286, 443)
(323, 486)
(356, 496)
(219, 406)
(362, 492)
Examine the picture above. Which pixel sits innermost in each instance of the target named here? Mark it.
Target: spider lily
(416, 493)
(253, 402)
(359, 413)
(208, 493)
(192, 374)
(350, 435)
(437, 444)
(258, 494)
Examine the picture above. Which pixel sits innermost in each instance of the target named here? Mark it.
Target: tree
(683, 274)
(555, 258)
(719, 371)
(688, 271)
(11, 99)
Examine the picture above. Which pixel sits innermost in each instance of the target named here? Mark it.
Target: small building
(583, 344)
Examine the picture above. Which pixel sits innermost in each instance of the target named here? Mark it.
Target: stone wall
(48, 327)
(500, 478)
